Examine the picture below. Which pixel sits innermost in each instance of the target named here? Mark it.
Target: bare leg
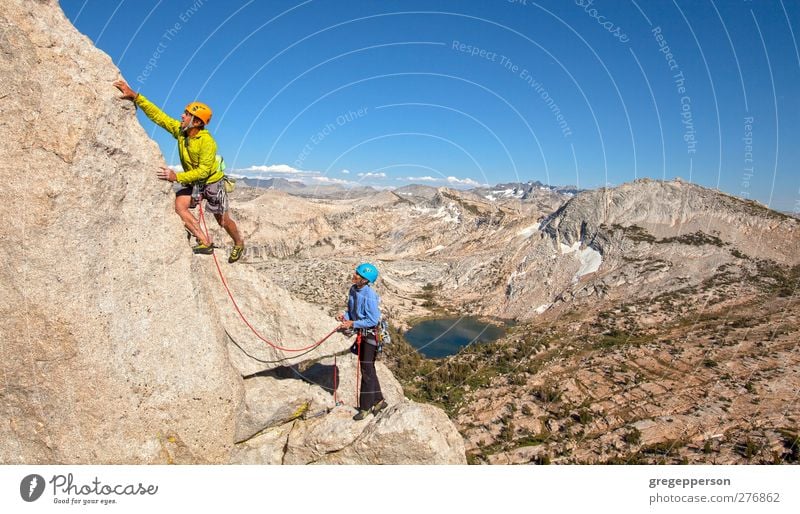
(226, 222)
(182, 208)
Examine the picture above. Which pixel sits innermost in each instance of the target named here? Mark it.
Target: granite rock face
(119, 345)
(97, 289)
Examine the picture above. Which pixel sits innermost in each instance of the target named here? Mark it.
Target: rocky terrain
(706, 375)
(120, 346)
(298, 188)
(655, 322)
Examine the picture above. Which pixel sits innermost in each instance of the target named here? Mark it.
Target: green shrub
(739, 255)
(546, 393)
(533, 439)
(698, 238)
(634, 436)
(748, 449)
(791, 442)
(542, 460)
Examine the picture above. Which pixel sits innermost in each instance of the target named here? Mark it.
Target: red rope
(236, 306)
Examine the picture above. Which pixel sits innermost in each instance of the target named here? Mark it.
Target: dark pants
(370, 387)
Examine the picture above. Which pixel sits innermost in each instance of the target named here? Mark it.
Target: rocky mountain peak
(666, 209)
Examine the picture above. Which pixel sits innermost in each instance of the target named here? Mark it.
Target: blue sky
(458, 93)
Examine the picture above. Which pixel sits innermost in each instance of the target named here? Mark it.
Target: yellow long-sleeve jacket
(198, 154)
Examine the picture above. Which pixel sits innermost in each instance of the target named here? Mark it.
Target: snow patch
(590, 261)
(529, 231)
(569, 249)
(448, 214)
(435, 249)
(540, 309)
(504, 193)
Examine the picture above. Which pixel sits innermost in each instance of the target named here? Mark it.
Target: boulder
(270, 401)
(404, 433)
(321, 432)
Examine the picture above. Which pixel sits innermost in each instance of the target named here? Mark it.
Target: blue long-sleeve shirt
(362, 307)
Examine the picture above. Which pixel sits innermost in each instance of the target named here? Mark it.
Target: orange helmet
(200, 110)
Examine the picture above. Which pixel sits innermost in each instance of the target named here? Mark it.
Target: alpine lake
(442, 337)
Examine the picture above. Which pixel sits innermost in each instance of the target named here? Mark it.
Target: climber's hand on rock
(127, 92)
(166, 174)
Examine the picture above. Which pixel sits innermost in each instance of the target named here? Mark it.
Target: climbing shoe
(361, 414)
(236, 254)
(203, 249)
(379, 407)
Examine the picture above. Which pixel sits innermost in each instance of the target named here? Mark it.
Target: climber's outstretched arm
(152, 111)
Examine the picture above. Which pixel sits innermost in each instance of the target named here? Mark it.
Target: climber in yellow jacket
(198, 154)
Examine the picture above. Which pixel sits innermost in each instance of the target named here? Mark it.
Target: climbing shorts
(214, 194)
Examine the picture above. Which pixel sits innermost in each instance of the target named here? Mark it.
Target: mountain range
(627, 305)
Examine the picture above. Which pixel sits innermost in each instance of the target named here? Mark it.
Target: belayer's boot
(379, 407)
(236, 254)
(361, 414)
(203, 249)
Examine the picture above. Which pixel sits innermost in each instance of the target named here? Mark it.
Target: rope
(236, 306)
(358, 370)
(278, 361)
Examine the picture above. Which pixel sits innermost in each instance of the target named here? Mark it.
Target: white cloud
(450, 180)
(175, 167)
(462, 182)
(275, 168)
(329, 180)
(423, 179)
(308, 177)
(266, 171)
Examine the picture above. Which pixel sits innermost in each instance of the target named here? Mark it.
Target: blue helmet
(367, 271)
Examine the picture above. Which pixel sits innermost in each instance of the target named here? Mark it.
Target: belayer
(363, 314)
(201, 169)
